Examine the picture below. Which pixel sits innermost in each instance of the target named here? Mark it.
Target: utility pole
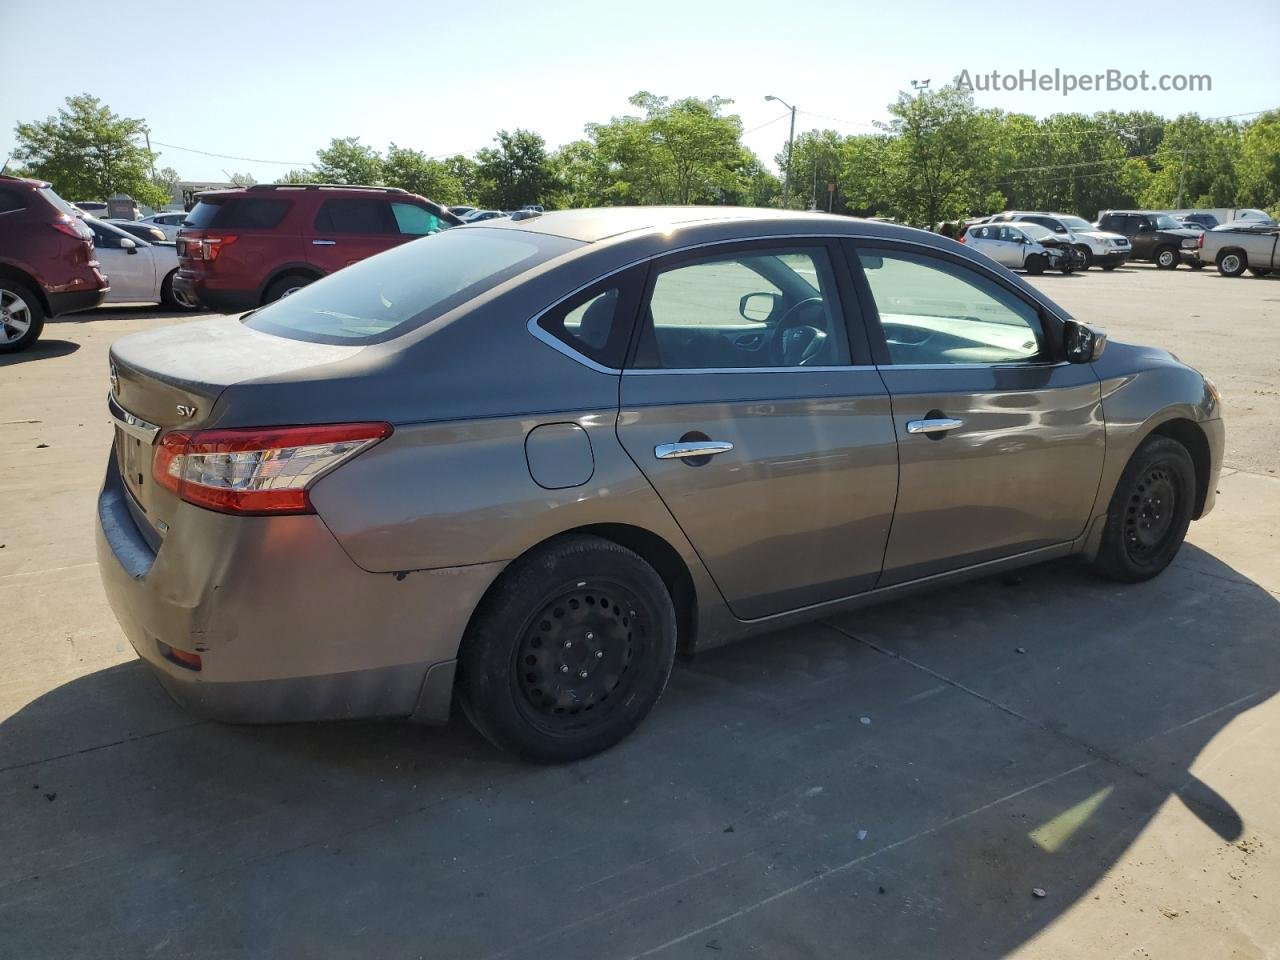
(146, 132)
(1182, 176)
(791, 143)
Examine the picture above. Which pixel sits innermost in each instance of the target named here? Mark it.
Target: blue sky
(274, 81)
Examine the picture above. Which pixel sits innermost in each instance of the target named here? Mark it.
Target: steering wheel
(797, 341)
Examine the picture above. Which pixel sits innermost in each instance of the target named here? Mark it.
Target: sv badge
(186, 411)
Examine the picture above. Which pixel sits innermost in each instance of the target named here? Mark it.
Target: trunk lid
(172, 379)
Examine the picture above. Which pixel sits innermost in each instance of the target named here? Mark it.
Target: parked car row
(1036, 241)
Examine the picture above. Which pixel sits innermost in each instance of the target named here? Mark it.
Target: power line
(227, 156)
(769, 122)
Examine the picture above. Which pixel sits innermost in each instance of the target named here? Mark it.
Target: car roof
(601, 223)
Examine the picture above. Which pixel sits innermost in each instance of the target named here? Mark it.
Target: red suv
(239, 249)
(47, 266)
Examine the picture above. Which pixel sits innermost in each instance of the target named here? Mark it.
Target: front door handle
(323, 243)
(691, 448)
(934, 425)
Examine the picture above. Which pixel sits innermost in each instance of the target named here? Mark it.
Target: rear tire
(568, 651)
(21, 316)
(1167, 258)
(1149, 512)
(1232, 263)
(283, 286)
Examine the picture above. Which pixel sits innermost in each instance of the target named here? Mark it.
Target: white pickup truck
(1256, 249)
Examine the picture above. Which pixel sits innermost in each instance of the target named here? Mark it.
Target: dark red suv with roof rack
(242, 248)
(47, 266)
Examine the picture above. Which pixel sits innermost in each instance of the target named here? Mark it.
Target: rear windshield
(394, 292)
(58, 203)
(237, 213)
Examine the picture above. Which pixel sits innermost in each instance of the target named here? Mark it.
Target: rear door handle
(936, 425)
(691, 448)
(323, 243)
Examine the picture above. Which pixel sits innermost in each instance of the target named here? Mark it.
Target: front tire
(170, 299)
(1035, 264)
(21, 316)
(568, 651)
(1167, 258)
(1088, 256)
(1149, 512)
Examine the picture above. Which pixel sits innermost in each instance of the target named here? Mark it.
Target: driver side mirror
(1082, 344)
(758, 307)
(128, 245)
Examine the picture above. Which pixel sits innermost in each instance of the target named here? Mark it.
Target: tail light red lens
(1200, 241)
(255, 470)
(72, 227)
(204, 248)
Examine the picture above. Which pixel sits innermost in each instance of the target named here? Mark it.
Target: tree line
(939, 157)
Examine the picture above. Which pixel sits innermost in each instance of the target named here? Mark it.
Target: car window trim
(670, 259)
(850, 241)
(1050, 321)
(629, 283)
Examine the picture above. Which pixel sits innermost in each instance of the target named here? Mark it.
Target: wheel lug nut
(582, 674)
(568, 644)
(599, 654)
(590, 635)
(564, 668)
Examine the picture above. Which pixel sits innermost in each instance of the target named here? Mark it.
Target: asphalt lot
(888, 784)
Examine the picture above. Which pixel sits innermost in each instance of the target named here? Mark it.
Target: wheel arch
(1240, 251)
(1191, 436)
(13, 273)
(302, 268)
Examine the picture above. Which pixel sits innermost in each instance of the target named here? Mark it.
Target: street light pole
(791, 143)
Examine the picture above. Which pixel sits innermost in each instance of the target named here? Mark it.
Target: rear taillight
(72, 227)
(257, 470)
(205, 248)
(960, 239)
(1200, 241)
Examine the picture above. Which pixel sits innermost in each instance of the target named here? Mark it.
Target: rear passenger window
(11, 200)
(597, 323)
(354, 216)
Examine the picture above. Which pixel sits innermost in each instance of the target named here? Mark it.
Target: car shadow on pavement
(40, 350)
(901, 778)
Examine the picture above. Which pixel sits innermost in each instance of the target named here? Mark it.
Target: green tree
(1258, 166)
(242, 179)
(516, 172)
(1197, 159)
(414, 171)
(815, 162)
(683, 151)
(167, 180)
(347, 160)
(931, 171)
(298, 176)
(583, 175)
(89, 153)
(464, 169)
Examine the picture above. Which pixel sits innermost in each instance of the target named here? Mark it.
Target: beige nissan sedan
(522, 464)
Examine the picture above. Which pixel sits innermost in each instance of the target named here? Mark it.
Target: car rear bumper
(287, 627)
(75, 300)
(214, 298)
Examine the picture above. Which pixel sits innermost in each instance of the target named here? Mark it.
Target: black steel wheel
(1149, 512)
(568, 651)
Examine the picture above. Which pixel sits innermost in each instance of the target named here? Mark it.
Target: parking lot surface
(897, 782)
